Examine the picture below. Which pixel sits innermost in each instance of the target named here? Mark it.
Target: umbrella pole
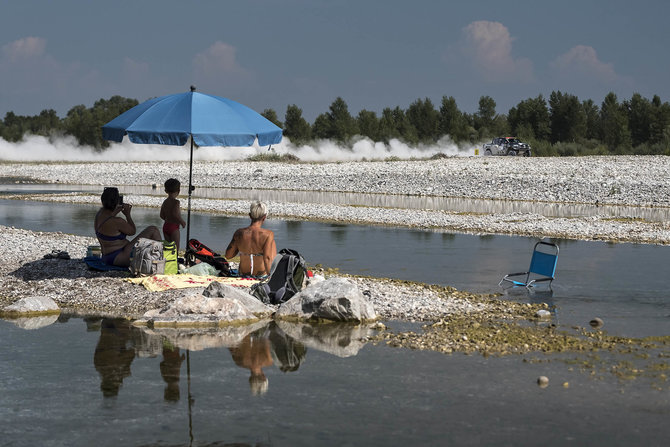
(190, 190)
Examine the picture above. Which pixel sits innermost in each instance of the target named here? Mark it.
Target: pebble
(543, 381)
(596, 323)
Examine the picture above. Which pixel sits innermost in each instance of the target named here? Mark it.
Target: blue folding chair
(542, 266)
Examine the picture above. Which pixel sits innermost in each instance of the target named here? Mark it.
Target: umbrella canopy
(207, 120)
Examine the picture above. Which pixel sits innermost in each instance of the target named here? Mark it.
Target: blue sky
(374, 54)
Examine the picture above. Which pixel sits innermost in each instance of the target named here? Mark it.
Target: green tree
(368, 124)
(452, 121)
(86, 124)
(296, 128)
(342, 126)
(321, 127)
(614, 131)
(425, 119)
(660, 125)
(530, 119)
(592, 116)
(484, 118)
(387, 126)
(13, 127)
(568, 121)
(640, 119)
(271, 115)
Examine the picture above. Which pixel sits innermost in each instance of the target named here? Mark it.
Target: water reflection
(456, 204)
(253, 347)
(113, 355)
(171, 371)
(253, 353)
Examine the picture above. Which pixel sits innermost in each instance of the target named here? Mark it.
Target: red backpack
(196, 250)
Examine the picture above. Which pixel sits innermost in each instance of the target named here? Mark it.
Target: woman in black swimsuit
(111, 230)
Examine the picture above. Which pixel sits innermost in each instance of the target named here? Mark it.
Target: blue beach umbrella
(205, 120)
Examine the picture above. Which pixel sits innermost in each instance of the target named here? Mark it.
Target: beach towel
(159, 283)
(95, 263)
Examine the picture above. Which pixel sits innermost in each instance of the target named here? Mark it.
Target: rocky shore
(24, 272)
(636, 182)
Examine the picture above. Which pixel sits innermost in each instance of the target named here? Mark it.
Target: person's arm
(177, 212)
(269, 250)
(126, 226)
(232, 249)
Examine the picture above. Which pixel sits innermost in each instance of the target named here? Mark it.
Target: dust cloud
(38, 148)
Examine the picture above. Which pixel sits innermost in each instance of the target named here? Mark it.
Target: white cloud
(583, 61)
(488, 45)
(26, 48)
(34, 80)
(219, 63)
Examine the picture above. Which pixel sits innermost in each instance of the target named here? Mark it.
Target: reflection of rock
(200, 310)
(32, 305)
(34, 322)
(342, 340)
(146, 345)
(336, 299)
(197, 339)
(287, 353)
(219, 290)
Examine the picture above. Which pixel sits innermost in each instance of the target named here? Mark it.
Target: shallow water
(90, 382)
(653, 214)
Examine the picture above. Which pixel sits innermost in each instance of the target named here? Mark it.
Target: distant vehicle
(507, 146)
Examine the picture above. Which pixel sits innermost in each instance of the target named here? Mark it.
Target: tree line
(561, 125)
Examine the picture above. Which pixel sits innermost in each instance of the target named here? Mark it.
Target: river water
(79, 382)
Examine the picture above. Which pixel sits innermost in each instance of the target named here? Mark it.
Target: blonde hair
(258, 210)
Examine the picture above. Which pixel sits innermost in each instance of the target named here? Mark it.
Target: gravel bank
(24, 272)
(626, 180)
(623, 180)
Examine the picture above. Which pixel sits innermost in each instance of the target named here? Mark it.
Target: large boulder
(199, 310)
(32, 305)
(219, 290)
(335, 299)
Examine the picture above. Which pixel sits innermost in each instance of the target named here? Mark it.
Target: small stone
(543, 314)
(543, 381)
(566, 385)
(596, 323)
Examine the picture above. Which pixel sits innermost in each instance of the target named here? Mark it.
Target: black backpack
(287, 276)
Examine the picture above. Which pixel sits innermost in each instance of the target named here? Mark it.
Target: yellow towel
(158, 283)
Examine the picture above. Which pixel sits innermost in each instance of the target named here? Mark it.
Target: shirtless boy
(170, 212)
(255, 245)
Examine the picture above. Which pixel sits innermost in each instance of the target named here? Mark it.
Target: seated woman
(255, 245)
(111, 230)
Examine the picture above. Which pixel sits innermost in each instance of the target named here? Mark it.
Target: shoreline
(25, 272)
(630, 181)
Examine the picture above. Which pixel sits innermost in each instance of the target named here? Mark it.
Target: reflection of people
(113, 355)
(171, 213)
(112, 230)
(170, 371)
(255, 245)
(253, 353)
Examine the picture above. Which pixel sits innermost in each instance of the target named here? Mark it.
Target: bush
(274, 157)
